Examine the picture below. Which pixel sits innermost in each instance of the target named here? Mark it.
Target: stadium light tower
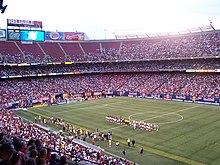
(210, 23)
(2, 8)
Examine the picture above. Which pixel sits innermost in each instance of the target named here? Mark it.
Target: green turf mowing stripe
(172, 156)
(36, 113)
(169, 155)
(45, 116)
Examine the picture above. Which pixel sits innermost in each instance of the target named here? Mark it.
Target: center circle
(179, 117)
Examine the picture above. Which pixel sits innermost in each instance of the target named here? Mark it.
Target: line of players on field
(133, 123)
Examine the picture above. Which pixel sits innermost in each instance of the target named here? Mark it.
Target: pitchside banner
(24, 23)
(64, 36)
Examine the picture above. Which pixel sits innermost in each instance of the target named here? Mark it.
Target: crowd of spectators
(207, 64)
(130, 70)
(194, 45)
(24, 143)
(205, 85)
(203, 44)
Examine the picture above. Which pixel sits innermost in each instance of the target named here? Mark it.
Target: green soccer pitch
(189, 133)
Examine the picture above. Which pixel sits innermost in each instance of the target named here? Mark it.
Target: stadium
(137, 99)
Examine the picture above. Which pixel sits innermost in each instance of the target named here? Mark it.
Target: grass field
(189, 133)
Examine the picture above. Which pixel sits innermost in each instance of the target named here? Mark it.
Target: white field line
(151, 112)
(125, 125)
(116, 156)
(61, 111)
(137, 106)
(86, 107)
(91, 107)
(175, 112)
(117, 102)
(112, 128)
(26, 119)
(174, 121)
(43, 110)
(170, 113)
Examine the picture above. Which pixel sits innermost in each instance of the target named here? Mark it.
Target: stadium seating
(73, 50)
(91, 50)
(10, 53)
(195, 45)
(148, 66)
(13, 90)
(54, 51)
(32, 52)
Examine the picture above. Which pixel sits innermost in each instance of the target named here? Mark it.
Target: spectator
(7, 151)
(15, 159)
(54, 160)
(63, 161)
(32, 159)
(42, 156)
(20, 148)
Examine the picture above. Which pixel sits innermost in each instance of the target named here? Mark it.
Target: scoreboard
(20, 30)
(32, 35)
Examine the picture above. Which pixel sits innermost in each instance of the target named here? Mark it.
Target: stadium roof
(137, 33)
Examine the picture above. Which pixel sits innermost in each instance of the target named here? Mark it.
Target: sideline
(86, 107)
(172, 156)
